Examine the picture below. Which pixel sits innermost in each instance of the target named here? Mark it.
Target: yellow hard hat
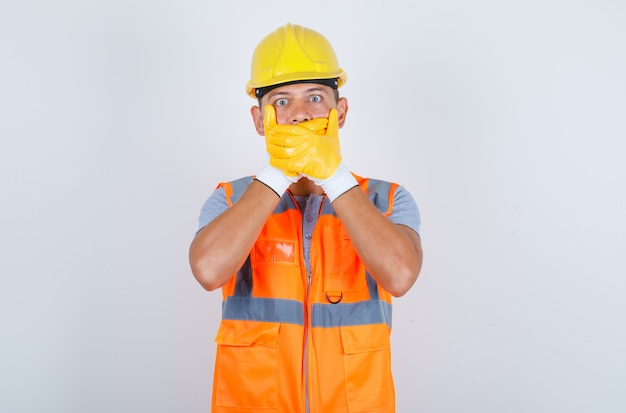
(290, 54)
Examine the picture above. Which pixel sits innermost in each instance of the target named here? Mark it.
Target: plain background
(505, 119)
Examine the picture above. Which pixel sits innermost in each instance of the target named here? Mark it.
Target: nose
(299, 113)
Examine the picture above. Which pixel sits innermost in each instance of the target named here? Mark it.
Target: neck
(305, 187)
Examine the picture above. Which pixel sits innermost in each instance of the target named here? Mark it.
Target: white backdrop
(505, 119)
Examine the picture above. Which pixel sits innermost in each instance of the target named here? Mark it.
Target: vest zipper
(307, 268)
(309, 275)
(306, 342)
(307, 324)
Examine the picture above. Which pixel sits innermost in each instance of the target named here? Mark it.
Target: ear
(257, 118)
(342, 111)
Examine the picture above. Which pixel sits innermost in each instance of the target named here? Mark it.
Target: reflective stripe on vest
(276, 310)
(242, 306)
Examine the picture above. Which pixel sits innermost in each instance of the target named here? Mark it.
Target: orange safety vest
(292, 342)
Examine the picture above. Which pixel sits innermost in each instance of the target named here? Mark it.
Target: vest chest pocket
(343, 270)
(246, 369)
(275, 251)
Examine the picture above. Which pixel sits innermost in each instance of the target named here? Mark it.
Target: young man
(307, 254)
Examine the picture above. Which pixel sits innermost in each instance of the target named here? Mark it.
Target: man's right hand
(274, 178)
(271, 176)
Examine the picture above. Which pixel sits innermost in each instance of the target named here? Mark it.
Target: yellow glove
(310, 149)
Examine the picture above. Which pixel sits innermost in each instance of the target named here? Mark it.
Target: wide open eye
(315, 98)
(281, 102)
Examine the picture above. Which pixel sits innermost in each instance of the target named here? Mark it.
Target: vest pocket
(367, 364)
(246, 367)
(344, 271)
(275, 251)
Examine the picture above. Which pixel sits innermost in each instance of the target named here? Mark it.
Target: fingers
(306, 147)
(317, 125)
(333, 123)
(313, 126)
(282, 151)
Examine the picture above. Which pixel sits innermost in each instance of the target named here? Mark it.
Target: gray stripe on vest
(327, 208)
(285, 204)
(239, 187)
(372, 286)
(273, 310)
(243, 285)
(353, 314)
(378, 193)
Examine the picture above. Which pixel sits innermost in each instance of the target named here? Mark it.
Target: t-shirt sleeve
(213, 206)
(405, 210)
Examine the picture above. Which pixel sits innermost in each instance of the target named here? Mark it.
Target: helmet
(293, 53)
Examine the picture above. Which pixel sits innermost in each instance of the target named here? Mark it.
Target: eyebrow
(283, 93)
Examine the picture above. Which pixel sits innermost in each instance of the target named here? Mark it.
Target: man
(306, 253)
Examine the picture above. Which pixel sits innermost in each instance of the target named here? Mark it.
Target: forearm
(220, 248)
(391, 253)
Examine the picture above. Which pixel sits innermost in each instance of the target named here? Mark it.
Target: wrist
(274, 179)
(341, 181)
